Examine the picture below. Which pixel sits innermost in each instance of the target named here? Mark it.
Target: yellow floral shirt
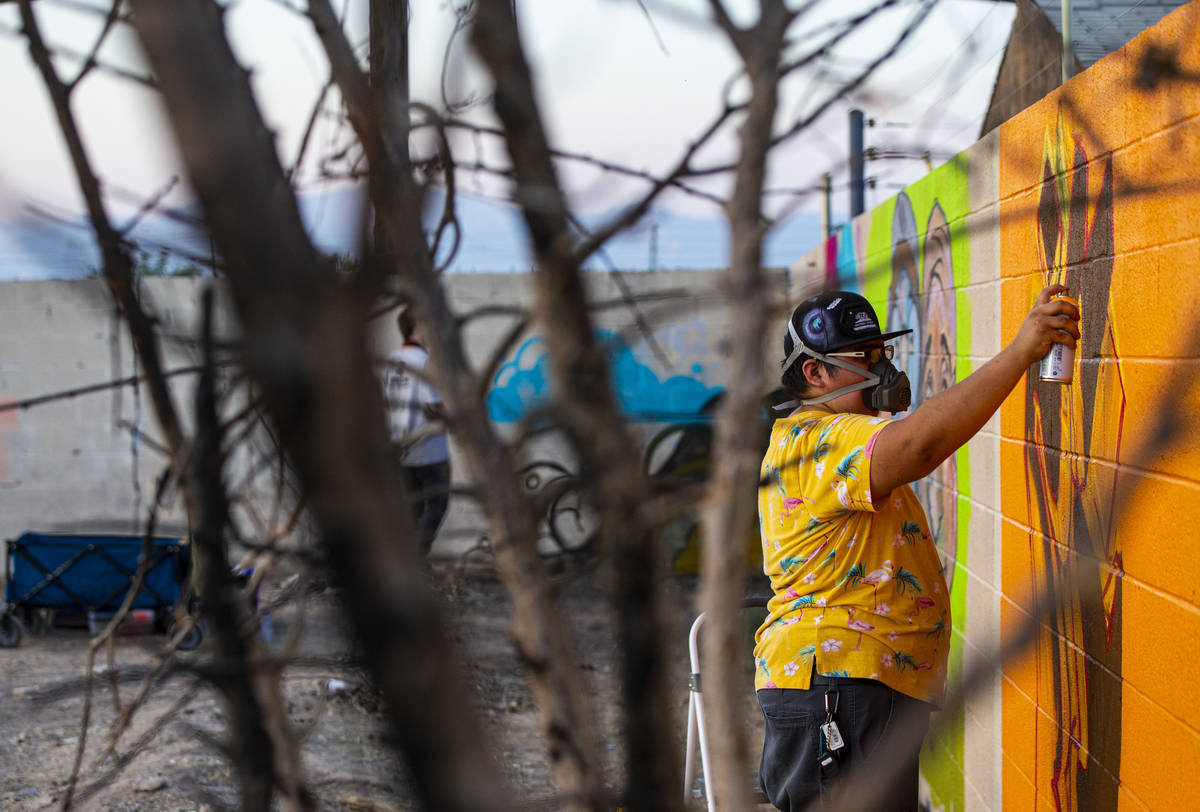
(859, 589)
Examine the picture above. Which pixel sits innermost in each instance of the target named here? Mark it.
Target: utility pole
(1068, 59)
(826, 206)
(857, 160)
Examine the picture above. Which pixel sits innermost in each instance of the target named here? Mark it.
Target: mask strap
(800, 348)
(797, 347)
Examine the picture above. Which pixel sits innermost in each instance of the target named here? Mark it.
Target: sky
(627, 82)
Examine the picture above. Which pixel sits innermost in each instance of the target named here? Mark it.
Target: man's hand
(1047, 323)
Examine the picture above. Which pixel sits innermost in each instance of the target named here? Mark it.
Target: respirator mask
(886, 388)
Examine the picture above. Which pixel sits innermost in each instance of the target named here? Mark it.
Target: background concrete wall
(665, 332)
(89, 462)
(1094, 186)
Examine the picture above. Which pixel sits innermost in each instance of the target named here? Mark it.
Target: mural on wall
(921, 296)
(1072, 452)
(909, 257)
(909, 260)
(689, 375)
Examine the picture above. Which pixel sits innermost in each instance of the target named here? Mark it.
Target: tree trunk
(306, 347)
(609, 460)
(731, 503)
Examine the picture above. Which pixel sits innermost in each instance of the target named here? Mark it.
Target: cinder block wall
(88, 463)
(665, 331)
(1075, 507)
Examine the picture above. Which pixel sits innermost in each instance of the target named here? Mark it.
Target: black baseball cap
(835, 319)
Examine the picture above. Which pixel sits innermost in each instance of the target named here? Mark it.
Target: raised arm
(909, 449)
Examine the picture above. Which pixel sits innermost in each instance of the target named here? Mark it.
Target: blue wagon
(90, 574)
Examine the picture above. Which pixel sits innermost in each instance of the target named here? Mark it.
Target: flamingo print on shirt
(877, 577)
(858, 625)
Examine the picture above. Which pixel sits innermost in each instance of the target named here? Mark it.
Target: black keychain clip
(831, 738)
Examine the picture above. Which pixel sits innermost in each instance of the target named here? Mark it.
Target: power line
(969, 76)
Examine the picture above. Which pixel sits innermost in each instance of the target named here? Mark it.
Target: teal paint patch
(847, 270)
(523, 386)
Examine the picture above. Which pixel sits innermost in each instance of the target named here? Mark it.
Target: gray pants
(875, 770)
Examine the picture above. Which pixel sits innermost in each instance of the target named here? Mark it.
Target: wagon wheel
(11, 630)
(194, 636)
(192, 639)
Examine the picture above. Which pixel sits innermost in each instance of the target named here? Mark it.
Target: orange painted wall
(1100, 189)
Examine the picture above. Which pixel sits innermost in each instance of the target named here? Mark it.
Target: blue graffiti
(522, 385)
(525, 387)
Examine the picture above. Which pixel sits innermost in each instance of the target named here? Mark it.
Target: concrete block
(983, 170)
(984, 550)
(1150, 110)
(982, 301)
(1156, 650)
(983, 233)
(983, 451)
(982, 762)
(1160, 553)
(1158, 777)
(1165, 162)
(981, 627)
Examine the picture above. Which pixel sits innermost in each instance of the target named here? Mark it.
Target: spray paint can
(1059, 364)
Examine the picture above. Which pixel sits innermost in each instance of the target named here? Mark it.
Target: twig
(70, 53)
(105, 637)
(149, 206)
(89, 61)
(117, 266)
(28, 403)
(308, 129)
(599, 163)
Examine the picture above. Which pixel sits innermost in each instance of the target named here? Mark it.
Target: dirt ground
(169, 759)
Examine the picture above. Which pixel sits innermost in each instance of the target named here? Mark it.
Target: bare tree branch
(730, 510)
(73, 54)
(538, 631)
(89, 61)
(307, 349)
(609, 462)
(263, 750)
(308, 129)
(150, 205)
(589, 160)
(28, 403)
(118, 269)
